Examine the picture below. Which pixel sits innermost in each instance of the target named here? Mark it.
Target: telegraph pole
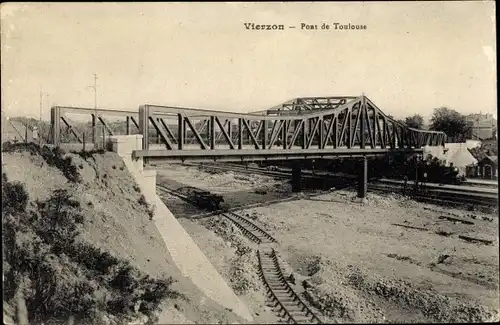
(39, 127)
(41, 96)
(95, 111)
(95, 93)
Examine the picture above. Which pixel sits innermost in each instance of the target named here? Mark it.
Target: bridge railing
(66, 130)
(355, 124)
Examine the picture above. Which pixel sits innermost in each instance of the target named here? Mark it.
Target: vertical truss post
(240, 133)
(180, 131)
(310, 128)
(303, 135)
(284, 133)
(265, 135)
(144, 126)
(94, 129)
(128, 125)
(401, 138)
(349, 127)
(321, 133)
(211, 130)
(158, 135)
(184, 128)
(55, 121)
(229, 127)
(394, 136)
(295, 125)
(362, 111)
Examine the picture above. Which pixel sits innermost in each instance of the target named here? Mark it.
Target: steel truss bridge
(303, 128)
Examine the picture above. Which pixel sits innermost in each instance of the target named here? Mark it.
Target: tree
(450, 122)
(416, 121)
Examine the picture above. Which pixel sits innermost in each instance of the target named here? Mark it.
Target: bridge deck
(249, 153)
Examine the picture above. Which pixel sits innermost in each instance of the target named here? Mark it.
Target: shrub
(53, 157)
(88, 154)
(14, 197)
(61, 276)
(142, 201)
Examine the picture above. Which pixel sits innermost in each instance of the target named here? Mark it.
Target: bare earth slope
(117, 221)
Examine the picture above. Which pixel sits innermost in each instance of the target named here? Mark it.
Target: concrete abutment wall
(188, 257)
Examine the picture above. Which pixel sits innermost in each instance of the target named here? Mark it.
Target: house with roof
(487, 168)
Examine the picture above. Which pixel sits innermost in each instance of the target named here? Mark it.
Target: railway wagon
(203, 199)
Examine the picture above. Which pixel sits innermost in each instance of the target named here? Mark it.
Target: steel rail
(251, 225)
(274, 270)
(251, 230)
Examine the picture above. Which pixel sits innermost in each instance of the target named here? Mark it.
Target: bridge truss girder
(327, 124)
(59, 114)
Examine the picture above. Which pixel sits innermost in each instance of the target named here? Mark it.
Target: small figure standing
(291, 279)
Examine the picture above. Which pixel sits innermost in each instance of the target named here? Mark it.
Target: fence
(27, 134)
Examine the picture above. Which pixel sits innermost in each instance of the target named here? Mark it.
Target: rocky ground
(390, 260)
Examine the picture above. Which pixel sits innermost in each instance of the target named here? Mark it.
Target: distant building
(482, 126)
(453, 153)
(473, 144)
(487, 168)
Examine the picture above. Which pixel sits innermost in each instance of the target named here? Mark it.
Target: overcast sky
(412, 57)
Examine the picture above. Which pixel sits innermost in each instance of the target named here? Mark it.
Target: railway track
(244, 170)
(251, 230)
(431, 194)
(440, 196)
(289, 305)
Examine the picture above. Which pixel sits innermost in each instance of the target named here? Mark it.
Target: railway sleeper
(296, 313)
(288, 301)
(283, 292)
(303, 317)
(267, 261)
(277, 288)
(277, 281)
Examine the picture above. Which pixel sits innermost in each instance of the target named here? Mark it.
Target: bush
(14, 197)
(53, 157)
(61, 276)
(89, 154)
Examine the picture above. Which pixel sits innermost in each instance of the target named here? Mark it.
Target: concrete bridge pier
(362, 179)
(296, 178)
